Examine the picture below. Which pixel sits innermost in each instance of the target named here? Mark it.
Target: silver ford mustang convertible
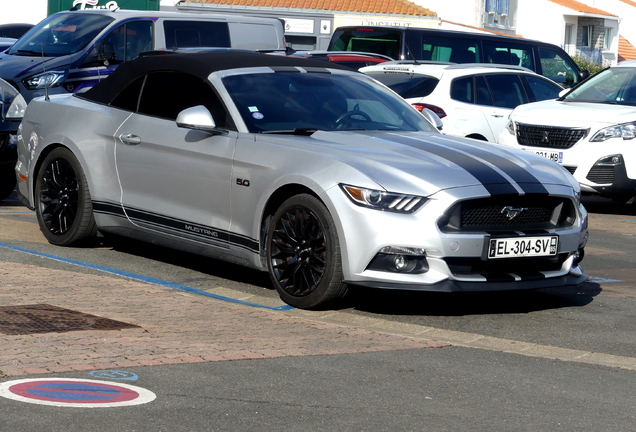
(318, 175)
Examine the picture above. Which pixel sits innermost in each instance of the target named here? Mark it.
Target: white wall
(541, 20)
(22, 11)
(459, 11)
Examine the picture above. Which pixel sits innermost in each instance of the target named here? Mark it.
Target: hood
(422, 163)
(573, 114)
(18, 67)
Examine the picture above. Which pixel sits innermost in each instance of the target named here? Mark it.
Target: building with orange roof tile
(626, 10)
(310, 23)
(582, 29)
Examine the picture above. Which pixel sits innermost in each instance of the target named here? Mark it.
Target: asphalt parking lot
(212, 337)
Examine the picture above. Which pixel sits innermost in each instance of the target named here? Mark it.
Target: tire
(303, 254)
(62, 200)
(7, 181)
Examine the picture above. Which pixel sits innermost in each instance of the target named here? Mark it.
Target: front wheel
(63, 201)
(303, 254)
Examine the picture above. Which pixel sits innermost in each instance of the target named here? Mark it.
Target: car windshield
(406, 85)
(287, 102)
(61, 34)
(615, 86)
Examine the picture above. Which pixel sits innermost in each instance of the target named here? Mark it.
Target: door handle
(496, 115)
(130, 139)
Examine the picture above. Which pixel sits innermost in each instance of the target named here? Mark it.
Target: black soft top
(199, 64)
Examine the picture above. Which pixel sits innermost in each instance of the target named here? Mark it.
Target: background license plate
(522, 247)
(553, 156)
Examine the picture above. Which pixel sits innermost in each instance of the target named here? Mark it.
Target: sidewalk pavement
(174, 327)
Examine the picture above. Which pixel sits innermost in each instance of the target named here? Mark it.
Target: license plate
(522, 247)
(553, 156)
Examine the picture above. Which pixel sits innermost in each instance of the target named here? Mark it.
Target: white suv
(590, 131)
(473, 100)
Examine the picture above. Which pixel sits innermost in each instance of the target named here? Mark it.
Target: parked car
(349, 59)
(14, 31)
(318, 175)
(406, 43)
(12, 106)
(589, 131)
(68, 52)
(474, 100)
(5, 43)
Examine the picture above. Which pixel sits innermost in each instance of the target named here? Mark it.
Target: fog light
(400, 262)
(578, 256)
(609, 161)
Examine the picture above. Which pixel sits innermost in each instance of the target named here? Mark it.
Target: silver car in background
(316, 174)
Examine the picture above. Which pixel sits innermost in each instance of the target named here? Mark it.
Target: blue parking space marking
(145, 279)
(71, 392)
(114, 375)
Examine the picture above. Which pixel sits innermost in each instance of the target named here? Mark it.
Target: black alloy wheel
(63, 204)
(304, 254)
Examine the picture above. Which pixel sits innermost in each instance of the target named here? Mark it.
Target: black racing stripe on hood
(529, 183)
(495, 183)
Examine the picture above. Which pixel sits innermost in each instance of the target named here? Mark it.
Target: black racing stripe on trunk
(495, 183)
(525, 179)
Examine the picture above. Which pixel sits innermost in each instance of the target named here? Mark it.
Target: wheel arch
(274, 201)
(477, 136)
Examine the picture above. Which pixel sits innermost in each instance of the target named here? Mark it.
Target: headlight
(382, 200)
(16, 109)
(626, 131)
(510, 126)
(51, 79)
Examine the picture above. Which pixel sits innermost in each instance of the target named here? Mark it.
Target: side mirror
(433, 118)
(584, 74)
(198, 118)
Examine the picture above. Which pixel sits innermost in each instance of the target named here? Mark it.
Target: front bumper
(604, 168)
(454, 261)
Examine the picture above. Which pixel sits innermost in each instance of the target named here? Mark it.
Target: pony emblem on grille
(512, 212)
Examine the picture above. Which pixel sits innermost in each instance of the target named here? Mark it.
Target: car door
(507, 93)
(175, 180)
(471, 106)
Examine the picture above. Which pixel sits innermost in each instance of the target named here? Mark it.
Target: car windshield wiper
(32, 52)
(296, 131)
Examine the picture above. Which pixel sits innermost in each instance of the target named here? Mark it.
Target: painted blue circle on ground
(114, 374)
(75, 392)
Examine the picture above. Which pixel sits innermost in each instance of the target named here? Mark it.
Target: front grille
(601, 174)
(549, 136)
(521, 266)
(517, 213)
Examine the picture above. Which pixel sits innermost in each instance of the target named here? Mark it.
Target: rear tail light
(437, 110)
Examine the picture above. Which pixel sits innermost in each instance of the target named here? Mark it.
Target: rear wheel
(303, 254)
(62, 200)
(7, 181)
